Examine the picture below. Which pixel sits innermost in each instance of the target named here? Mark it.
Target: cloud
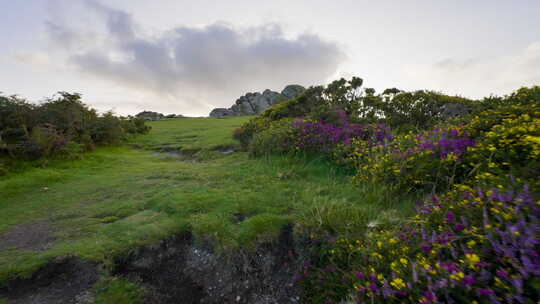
(31, 58)
(197, 67)
(478, 77)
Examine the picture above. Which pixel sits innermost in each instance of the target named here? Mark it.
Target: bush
(60, 126)
(473, 246)
(403, 111)
(477, 243)
(430, 161)
(276, 138)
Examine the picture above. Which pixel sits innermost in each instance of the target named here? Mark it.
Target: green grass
(118, 291)
(202, 134)
(118, 198)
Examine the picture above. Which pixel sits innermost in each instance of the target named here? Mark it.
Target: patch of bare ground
(64, 280)
(34, 236)
(177, 271)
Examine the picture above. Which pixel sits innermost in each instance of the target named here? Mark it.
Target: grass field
(119, 198)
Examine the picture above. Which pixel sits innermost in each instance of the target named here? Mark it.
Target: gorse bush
(428, 161)
(60, 126)
(472, 246)
(400, 110)
(477, 243)
(474, 164)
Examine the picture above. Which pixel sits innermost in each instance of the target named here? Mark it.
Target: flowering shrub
(323, 137)
(429, 160)
(275, 138)
(477, 243)
(473, 246)
(508, 145)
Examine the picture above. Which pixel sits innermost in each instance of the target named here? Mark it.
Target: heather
(339, 195)
(473, 172)
(469, 245)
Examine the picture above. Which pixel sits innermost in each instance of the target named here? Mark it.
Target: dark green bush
(59, 126)
(403, 111)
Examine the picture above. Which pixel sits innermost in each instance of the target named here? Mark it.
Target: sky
(188, 57)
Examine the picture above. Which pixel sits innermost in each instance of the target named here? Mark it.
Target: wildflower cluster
(324, 137)
(472, 246)
(476, 243)
(427, 160)
(510, 145)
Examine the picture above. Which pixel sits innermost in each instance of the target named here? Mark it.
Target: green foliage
(418, 110)
(118, 291)
(59, 127)
(461, 244)
(118, 198)
(273, 139)
(403, 111)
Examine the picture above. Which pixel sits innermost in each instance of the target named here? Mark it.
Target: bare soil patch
(35, 236)
(64, 280)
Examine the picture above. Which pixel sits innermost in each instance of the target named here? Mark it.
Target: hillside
(327, 197)
(179, 178)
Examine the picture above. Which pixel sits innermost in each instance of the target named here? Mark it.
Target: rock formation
(149, 115)
(255, 103)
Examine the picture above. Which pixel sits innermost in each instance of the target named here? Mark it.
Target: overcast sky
(187, 57)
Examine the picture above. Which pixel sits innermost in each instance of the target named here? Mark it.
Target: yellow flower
(398, 283)
(472, 259)
(403, 261)
(451, 157)
(457, 276)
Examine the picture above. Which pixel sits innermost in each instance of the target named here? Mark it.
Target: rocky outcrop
(221, 113)
(292, 90)
(175, 116)
(255, 103)
(148, 115)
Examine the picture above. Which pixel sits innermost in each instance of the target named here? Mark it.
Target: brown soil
(64, 280)
(35, 236)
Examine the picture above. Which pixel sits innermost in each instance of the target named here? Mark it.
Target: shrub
(60, 126)
(308, 136)
(508, 145)
(48, 140)
(475, 244)
(276, 138)
(403, 111)
(420, 110)
(471, 246)
(430, 161)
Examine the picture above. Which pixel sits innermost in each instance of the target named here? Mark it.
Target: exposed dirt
(225, 150)
(64, 280)
(36, 236)
(159, 269)
(176, 271)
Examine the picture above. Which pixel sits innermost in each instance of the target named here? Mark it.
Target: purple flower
(468, 280)
(484, 292)
(449, 218)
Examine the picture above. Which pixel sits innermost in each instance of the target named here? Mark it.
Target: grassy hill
(182, 176)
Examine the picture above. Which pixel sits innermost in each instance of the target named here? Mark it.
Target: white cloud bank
(190, 68)
(478, 77)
